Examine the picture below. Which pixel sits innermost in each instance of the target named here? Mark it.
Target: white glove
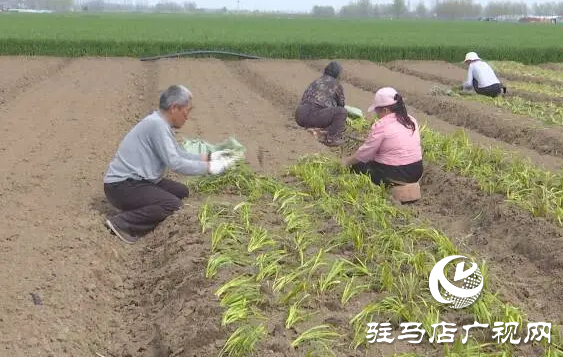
(217, 167)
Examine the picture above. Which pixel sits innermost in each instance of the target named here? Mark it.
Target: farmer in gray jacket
(134, 180)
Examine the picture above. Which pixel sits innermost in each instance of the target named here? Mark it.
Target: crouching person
(392, 154)
(134, 181)
(322, 106)
(481, 78)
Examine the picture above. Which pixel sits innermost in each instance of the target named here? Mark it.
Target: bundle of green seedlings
(522, 70)
(378, 254)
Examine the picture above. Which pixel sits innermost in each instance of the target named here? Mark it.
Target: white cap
(471, 56)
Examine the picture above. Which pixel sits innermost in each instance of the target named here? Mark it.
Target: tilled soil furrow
(523, 252)
(151, 90)
(513, 76)
(275, 92)
(552, 66)
(491, 122)
(502, 233)
(57, 246)
(24, 135)
(19, 74)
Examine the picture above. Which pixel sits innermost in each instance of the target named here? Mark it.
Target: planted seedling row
(527, 71)
(280, 262)
(530, 187)
(547, 112)
(378, 252)
(402, 253)
(538, 191)
(555, 91)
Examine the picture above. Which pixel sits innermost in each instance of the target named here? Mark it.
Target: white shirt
(483, 73)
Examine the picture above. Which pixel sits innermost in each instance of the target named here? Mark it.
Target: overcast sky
(300, 5)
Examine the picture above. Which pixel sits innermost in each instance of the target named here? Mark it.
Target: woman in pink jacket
(392, 152)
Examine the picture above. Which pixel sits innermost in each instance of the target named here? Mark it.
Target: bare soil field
(29, 70)
(437, 71)
(72, 289)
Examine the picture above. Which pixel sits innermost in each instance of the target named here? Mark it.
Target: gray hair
(175, 95)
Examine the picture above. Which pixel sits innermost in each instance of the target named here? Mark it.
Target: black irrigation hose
(171, 55)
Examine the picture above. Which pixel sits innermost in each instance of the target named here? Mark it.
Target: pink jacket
(391, 143)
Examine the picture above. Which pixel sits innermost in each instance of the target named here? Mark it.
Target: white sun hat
(471, 56)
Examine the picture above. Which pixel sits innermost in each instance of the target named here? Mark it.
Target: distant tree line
(447, 9)
(138, 6)
(55, 5)
(110, 5)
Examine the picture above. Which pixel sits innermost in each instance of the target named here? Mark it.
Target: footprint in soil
(332, 306)
(260, 156)
(157, 347)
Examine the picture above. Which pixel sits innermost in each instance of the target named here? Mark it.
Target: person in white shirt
(481, 77)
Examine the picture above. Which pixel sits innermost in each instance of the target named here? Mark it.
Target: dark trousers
(144, 204)
(381, 173)
(490, 91)
(313, 116)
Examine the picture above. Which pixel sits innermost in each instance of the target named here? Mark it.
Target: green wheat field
(270, 36)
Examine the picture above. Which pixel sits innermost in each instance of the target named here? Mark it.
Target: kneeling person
(481, 77)
(322, 106)
(392, 154)
(134, 180)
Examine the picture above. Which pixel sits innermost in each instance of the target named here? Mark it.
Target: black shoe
(124, 236)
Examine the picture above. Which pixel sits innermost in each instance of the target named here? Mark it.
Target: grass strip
(547, 112)
(62, 47)
(530, 71)
(555, 91)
